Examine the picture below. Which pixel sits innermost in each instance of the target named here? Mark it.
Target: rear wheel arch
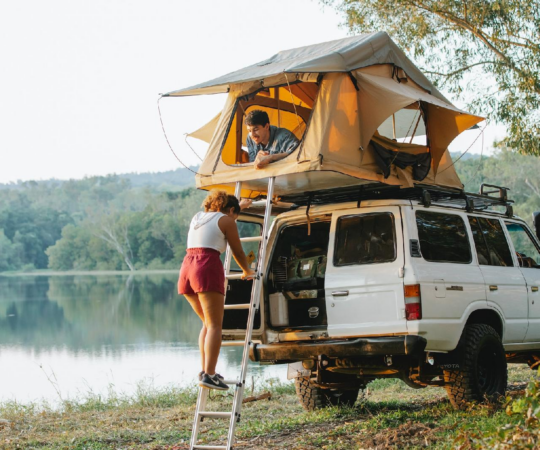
(487, 317)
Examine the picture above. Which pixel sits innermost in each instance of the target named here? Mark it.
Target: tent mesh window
(288, 106)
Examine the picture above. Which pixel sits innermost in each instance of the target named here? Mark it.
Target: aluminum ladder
(239, 384)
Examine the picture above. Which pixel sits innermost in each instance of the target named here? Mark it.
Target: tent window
(285, 109)
(406, 125)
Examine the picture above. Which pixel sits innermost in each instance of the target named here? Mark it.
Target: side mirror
(536, 221)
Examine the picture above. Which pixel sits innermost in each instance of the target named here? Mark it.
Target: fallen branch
(254, 398)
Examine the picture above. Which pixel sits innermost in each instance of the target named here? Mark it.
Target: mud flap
(297, 370)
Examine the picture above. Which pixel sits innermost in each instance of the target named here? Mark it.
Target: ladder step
(211, 447)
(239, 306)
(233, 276)
(215, 414)
(232, 343)
(251, 239)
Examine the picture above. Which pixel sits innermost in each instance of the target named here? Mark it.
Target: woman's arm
(228, 226)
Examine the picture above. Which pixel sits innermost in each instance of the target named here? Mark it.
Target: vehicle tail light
(413, 302)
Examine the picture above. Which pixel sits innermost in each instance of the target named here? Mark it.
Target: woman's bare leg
(196, 305)
(212, 305)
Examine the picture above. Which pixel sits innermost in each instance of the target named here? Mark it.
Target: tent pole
(394, 125)
(415, 128)
(276, 95)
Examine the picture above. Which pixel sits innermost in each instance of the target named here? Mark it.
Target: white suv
(427, 285)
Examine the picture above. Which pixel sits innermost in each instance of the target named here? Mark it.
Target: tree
(519, 173)
(114, 230)
(488, 49)
(9, 253)
(72, 250)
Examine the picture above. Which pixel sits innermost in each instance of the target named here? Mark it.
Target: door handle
(492, 287)
(534, 288)
(340, 293)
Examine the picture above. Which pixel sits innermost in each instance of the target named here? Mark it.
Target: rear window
(443, 237)
(365, 239)
(491, 244)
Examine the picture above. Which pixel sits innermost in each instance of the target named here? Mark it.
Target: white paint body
(370, 297)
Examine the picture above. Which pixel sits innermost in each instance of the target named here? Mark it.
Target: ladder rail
(255, 300)
(201, 405)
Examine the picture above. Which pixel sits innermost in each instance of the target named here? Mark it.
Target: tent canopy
(338, 98)
(342, 55)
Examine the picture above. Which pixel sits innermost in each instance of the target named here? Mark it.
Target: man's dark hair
(256, 117)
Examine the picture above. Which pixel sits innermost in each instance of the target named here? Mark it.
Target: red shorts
(201, 271)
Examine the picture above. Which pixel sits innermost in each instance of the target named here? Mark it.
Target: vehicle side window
(365, 239)
(443, 237)
(526, 250)
(490, 241)
(479, 242)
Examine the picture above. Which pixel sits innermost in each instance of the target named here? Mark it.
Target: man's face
(259, 134)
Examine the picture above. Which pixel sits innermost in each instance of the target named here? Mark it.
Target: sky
(81, 79)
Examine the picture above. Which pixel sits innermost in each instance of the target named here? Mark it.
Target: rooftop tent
(337, 97)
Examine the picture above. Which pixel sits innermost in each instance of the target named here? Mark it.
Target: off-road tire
(312, 397)
(482, 374)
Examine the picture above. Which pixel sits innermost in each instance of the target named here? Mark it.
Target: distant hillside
(466, 156)
(161, 181)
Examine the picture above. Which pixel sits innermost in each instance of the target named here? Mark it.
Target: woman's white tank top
(204, 232)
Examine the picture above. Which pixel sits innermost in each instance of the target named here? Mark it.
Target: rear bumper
(297, 351)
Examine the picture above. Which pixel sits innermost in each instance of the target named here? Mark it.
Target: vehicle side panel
(449, 292)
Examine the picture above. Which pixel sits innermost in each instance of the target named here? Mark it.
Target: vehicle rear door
(364, 276)
(505, 284)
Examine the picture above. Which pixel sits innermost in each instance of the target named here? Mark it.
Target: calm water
(68, 336)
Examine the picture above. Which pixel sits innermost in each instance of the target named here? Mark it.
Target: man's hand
(262, 159)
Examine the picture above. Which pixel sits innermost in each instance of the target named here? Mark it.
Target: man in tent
(267, 143)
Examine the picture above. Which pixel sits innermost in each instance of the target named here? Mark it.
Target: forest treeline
(140, 221)
(114, 222)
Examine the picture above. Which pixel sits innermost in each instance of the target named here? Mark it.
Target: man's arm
(285, 145)
(264, 158)
(289, 143)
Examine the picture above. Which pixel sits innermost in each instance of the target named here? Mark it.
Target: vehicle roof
(317, 210)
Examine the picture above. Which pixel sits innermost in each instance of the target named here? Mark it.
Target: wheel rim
(489, 370)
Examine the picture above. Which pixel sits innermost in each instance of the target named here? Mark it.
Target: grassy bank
(388, 415)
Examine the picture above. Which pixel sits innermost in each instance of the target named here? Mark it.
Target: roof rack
(425, 194)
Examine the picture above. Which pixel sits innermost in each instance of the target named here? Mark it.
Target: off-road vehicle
(427, 285)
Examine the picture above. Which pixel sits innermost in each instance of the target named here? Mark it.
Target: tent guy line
(169, 144)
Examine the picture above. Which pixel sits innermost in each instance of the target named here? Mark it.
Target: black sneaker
(201, 375)
(213, 382)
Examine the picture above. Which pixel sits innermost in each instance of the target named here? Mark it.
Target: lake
(65, 337)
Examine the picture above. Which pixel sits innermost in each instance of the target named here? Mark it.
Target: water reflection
(88, 332)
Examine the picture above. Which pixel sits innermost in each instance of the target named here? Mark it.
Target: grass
(389, 414)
